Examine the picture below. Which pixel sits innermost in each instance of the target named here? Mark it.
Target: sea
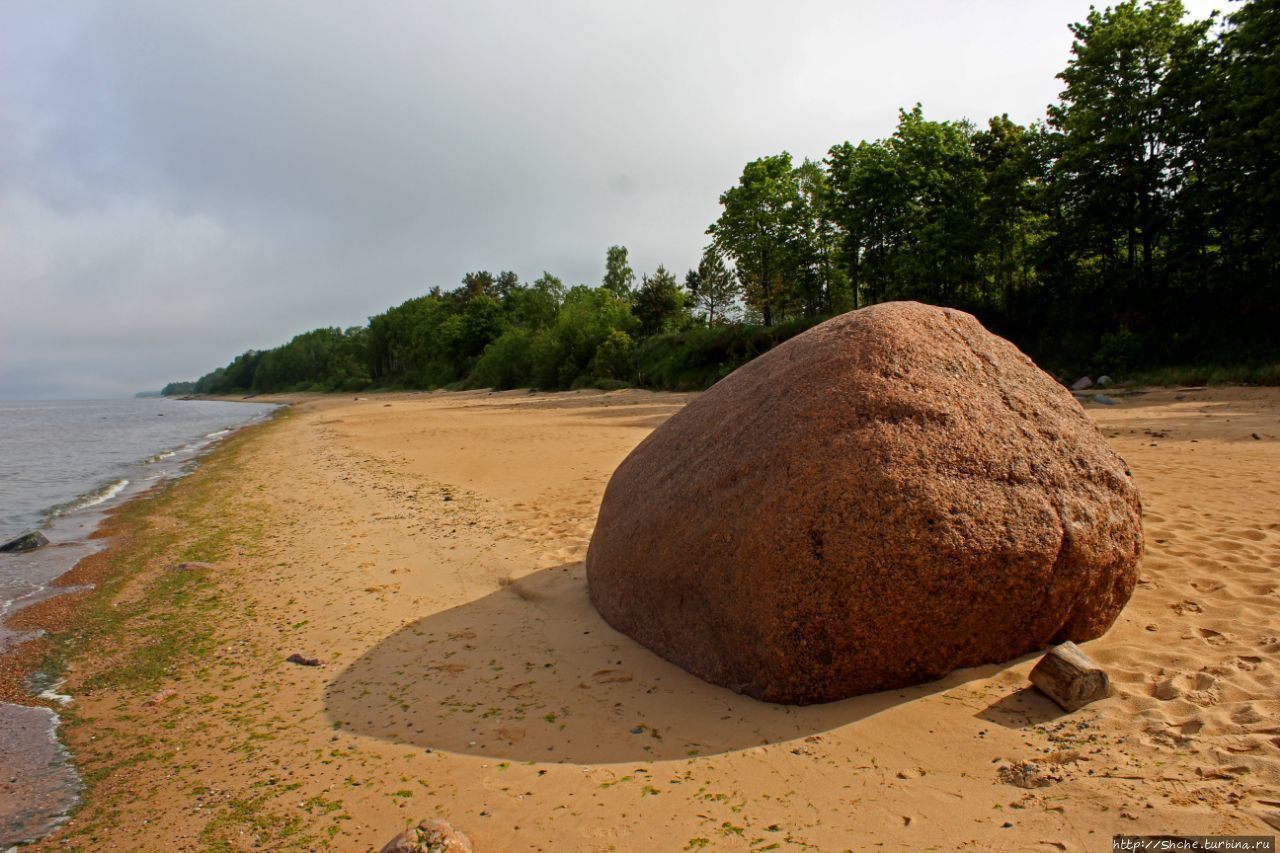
(63, 466)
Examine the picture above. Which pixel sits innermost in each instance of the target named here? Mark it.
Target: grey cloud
(180, 181)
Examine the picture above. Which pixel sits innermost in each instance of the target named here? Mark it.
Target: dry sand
(428, 548)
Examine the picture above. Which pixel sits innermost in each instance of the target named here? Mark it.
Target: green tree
(406, 345)
(504, 284)
(1242, 125)
(869, 201)
(1119, 150)
(712, 287)
(908, 210)
(479, 283)
(613, 357)
(758, 228)
(535, 307)
(618, 275)
(1011, 213)
(658, 303)
(480, 323)
(821, 285)
(561, 355)
(506, 363)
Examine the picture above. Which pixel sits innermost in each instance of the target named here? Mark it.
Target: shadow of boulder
(532, 673)
(1021, 709)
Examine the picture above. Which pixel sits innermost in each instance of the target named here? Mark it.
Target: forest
(1134, 230)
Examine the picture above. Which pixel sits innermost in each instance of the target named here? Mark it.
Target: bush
(700, 357)
(506, 363)
(613, 357)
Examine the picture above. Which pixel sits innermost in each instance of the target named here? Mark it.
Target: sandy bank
(428, 548)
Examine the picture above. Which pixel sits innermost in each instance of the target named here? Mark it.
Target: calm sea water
(63, 465)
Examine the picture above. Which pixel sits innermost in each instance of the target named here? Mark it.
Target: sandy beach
(427, 550)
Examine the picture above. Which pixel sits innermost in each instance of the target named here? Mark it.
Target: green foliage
(506, 363)
(699, 357)
(618, 276)
(712, 287)
(659, 303)
(535, 307)
(910, 209)
(759, 228)
(319, 360)
(563, 353)
(613, 357)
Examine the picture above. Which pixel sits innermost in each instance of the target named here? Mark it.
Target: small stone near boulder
(28, 541)
(1070, 677)
(887, 497)
(1104, 400)
(1082, 383)
(1104, 381)
(302, 661)
(430, 836)
(190, 567)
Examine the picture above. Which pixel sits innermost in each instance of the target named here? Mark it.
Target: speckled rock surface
(891, 495)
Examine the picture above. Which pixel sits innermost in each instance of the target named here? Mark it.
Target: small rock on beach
(430, 836)
(28, 541)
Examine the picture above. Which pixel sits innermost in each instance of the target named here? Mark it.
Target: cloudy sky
(181, 181)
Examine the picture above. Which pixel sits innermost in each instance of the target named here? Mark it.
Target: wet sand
(428, 549)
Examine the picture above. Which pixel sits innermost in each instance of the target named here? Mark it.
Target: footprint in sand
(1214, 638)
(1246, 715)
(1200, 688)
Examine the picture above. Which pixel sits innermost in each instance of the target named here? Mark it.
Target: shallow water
(63, 465)
(38, 784)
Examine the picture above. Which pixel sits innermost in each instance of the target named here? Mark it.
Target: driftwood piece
(1070, 677)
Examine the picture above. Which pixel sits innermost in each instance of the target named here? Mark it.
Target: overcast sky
(182, 181)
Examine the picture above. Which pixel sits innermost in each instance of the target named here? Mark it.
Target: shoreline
(71, 521)
(37, 626)
(55, 612)
(427, 550)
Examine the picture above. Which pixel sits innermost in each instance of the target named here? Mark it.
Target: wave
(97, 496)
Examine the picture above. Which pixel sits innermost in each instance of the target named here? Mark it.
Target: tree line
(1137, 225)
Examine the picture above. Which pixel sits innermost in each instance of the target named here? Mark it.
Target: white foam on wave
(52, 695)
(218, 434)
(98, 496)
(103, 495)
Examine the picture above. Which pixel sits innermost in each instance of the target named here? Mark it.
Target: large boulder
(892, 495)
